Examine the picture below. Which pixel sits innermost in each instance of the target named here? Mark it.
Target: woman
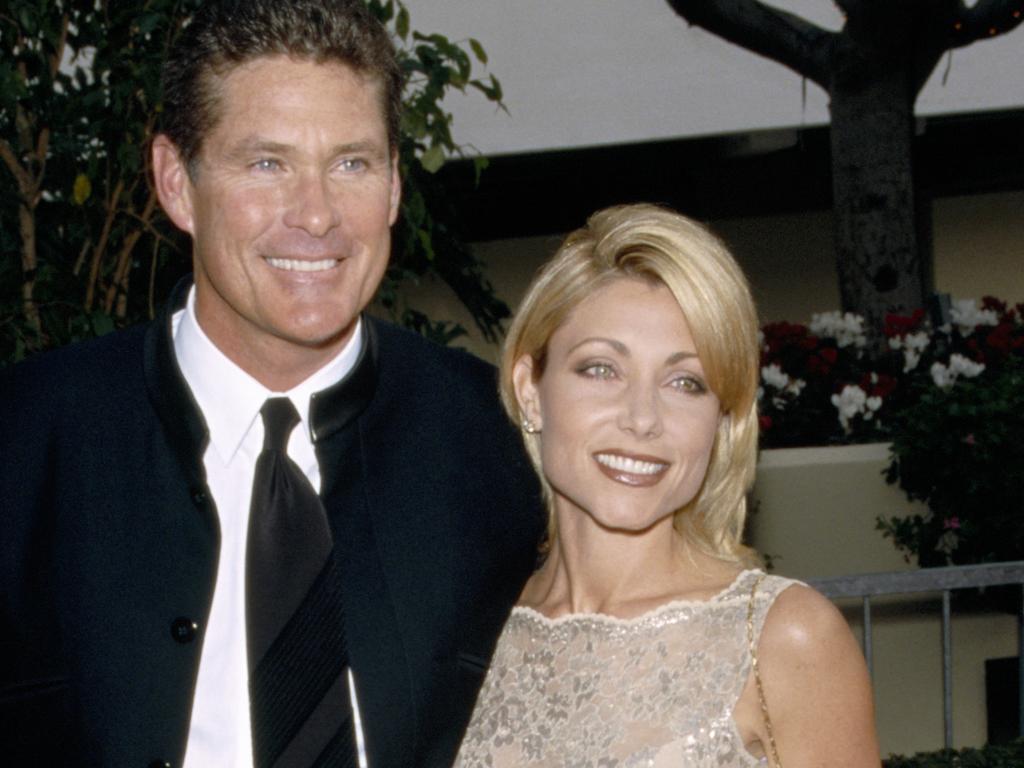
(645, 638)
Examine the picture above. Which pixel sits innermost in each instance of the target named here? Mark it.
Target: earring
(529, 427)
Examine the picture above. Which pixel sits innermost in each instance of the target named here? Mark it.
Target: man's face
(290, 209)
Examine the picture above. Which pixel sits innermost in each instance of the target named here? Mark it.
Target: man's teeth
(632, 466)
(299, 265)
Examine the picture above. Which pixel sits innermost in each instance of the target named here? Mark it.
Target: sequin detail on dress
(591, 691)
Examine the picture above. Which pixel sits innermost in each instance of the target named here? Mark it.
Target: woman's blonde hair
(651, 243)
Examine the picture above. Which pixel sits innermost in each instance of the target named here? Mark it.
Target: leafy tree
(873, 70)
(86, 247)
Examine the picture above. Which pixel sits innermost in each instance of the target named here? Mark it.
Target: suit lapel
(375, 641)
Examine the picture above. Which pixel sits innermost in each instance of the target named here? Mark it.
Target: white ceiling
(592, 72)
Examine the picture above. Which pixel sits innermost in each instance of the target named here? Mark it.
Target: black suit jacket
(110, 542)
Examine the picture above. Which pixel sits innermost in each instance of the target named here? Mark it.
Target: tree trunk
(29, 270)
(877, 251)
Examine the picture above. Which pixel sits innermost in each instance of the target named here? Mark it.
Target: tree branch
(987, 18)
(780, 36)
(58, 53)
(955, 25)
(20, 174)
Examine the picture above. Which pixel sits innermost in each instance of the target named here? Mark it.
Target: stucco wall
(979, 250)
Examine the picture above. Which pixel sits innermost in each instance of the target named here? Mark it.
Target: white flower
(910, 360)
(779, 380)
(774, 376)
(912, 345)
(945, 376)
(963, 366)
(916, 341)
(941, 376)
(872, 405)
(850, 402)
(846, 328)
(966, 316)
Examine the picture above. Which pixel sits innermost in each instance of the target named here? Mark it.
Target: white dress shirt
(230, 401)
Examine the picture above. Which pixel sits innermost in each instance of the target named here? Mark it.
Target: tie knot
(279, 419)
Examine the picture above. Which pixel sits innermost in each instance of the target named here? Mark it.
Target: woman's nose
(641, 411)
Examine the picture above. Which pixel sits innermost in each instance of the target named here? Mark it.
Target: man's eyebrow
(259, 145)
(367, 146)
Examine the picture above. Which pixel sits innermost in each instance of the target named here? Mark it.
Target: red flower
(878, 384)
(765, 422)
(778, 336)
(818, 366)
(991, 302)
(901, 325)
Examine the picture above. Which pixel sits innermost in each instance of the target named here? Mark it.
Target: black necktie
(298, 691)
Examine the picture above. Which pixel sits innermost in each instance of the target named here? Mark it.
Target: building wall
(979, 250)
(815, 512)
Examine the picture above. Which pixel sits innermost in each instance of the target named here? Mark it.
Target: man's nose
(640, 412)
(313, 207)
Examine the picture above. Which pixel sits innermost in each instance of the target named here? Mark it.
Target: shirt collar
(229, 398)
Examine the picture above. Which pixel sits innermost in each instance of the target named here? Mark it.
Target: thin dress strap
(757, 673)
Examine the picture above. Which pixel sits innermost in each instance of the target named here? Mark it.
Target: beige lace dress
(594, 691)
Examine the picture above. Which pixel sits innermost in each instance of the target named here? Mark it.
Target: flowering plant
(824, 383)
(948, 395)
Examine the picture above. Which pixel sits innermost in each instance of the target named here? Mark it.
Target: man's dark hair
(226, 33)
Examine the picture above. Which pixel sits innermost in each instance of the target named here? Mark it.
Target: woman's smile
(631, 469)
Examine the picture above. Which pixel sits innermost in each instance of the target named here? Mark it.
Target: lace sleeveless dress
(594, 691)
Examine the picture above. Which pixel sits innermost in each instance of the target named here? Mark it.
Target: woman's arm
(816, 685)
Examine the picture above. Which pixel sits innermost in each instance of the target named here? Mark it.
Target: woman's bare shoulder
(816, 683)
(801, 621)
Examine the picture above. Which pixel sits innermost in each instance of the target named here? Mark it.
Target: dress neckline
(526, 611)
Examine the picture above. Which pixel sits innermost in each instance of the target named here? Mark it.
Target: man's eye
(353, 164)
(266, 164)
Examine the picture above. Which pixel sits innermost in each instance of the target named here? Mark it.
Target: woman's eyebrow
(618, 346)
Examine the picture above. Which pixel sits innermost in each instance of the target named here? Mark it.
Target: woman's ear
(527, 393)
(173, 185)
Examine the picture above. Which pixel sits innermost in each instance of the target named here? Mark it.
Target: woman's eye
(598, 371)
(688, 384)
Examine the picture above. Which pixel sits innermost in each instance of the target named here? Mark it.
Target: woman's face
(627, 420)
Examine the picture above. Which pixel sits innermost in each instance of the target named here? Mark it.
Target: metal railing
(944, 580)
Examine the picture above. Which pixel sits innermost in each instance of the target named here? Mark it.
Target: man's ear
(173, 185)
(527, 393)
(396, 189)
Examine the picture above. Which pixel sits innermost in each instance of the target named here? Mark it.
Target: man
(134, 490)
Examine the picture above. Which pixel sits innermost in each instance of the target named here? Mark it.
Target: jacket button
(198, 496)
(184, 631)
(159, 764)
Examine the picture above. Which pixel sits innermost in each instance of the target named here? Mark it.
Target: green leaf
(480, 164)
(433, 159)
(490, 88)
(82, 189)
(402, 24)
(478, 50)
(102, 323)
(426, 243)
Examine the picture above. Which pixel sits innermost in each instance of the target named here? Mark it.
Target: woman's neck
(625, 574)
